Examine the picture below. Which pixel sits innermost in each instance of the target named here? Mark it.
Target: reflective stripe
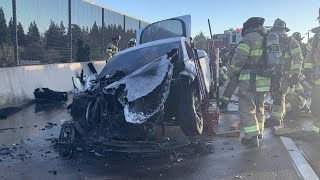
(295, 51)
(109, 50)
(308, 65)
(244, 77)
(263, 89)
(225, 98)
(262, 78)
(276, 114)
(315, 129)
(251, 129)
(261, 125)
(296, 66)
(244, 47)
(299, 87)
(257, 52)
(288, 105)
(263, 84)
(309, 47)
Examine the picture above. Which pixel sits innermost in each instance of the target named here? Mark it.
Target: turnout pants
(251, 108)
(228, 92)
(279, 101)
(294, 101)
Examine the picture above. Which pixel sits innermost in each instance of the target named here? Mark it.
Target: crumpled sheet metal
(146, 90)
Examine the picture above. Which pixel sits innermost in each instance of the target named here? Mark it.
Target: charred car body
(162, 82)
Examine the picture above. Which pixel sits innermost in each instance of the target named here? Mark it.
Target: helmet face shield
(280, 32)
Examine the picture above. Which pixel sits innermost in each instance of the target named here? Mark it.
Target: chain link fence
(59, 31)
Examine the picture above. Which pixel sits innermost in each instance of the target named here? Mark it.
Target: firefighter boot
(251, 143)
(316, 127)
(271, 122)
(281, 130)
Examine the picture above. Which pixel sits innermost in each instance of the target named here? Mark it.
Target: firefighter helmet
(253, 22)
(279, 24)
(132, 42)
(297, 36)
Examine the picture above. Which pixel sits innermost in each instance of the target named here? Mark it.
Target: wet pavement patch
(9, 111)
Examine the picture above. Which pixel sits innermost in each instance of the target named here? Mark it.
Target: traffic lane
(307, 141)
(310, 150)
(229, 161)
(32, 156)
(33, 122)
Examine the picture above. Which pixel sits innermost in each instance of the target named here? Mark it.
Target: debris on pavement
(46, 94)
(238, 177)
(53, 172)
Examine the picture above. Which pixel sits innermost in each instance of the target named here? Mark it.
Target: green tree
(201, 41)
(95, 42)
(52, 36)
(3, 28)
(62, 29)
(11, 30)
(77, 35)
(22, 41)
(33, 35)
(83, 51)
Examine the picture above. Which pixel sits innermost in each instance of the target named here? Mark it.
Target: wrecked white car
(146, 93)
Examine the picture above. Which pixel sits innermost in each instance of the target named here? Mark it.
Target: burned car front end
(147, 98)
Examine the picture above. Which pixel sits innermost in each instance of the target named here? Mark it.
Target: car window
(130, 61)
(162, 30)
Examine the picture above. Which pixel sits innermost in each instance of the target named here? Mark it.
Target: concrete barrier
(18, 83)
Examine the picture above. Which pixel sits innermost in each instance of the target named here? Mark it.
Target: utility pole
(15, 36)
(70, 30)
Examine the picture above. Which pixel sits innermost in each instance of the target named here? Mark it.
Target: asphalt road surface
(26, 152)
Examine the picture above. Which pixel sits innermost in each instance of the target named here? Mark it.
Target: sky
(299, 15)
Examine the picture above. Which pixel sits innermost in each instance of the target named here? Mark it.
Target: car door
(169, 28)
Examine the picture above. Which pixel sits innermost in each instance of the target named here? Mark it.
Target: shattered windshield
(162, 30)
(135, 59)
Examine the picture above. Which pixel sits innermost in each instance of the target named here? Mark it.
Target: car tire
(189, 112)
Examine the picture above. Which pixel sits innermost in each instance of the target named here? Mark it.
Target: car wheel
(189, 112)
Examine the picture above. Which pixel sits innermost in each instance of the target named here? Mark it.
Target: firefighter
(252, 88)
(231, 86)
(113, 47)
(312, 73)
(295, 99)
(303, 46)
(292, 59)
(302, 98)
(132, 43)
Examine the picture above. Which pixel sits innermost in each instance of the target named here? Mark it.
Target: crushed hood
(145, 90)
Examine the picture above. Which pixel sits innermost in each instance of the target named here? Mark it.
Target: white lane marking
(300, 162)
